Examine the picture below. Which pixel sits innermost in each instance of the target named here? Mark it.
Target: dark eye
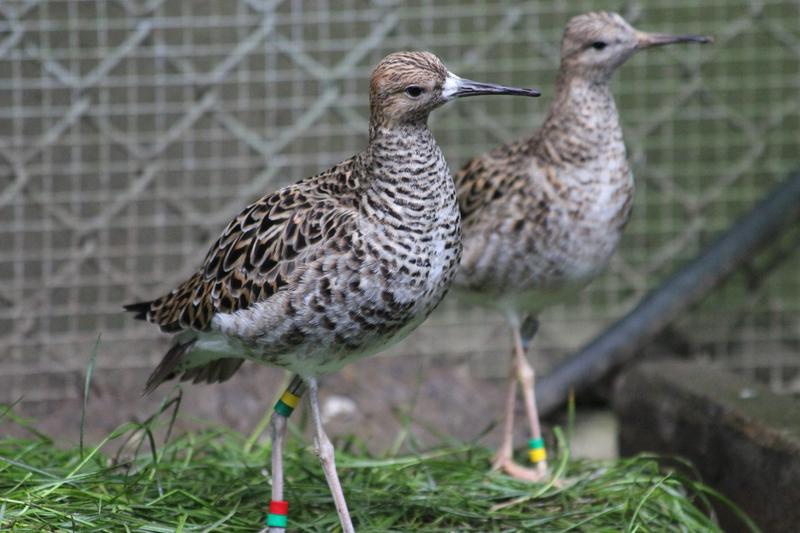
(414, 90)
(598, 45)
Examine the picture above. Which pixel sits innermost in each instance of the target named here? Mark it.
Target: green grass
(216, 479)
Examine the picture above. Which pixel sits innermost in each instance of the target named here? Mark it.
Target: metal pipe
(620, 342)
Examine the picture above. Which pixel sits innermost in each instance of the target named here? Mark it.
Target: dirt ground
(372, 399)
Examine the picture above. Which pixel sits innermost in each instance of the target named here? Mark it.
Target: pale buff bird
(330, 269)
(542, 215)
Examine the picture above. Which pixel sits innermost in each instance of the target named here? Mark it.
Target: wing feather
(489, 178)
(259, 252)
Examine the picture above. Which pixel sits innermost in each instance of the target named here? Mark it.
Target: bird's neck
(405, 159)
(582, 124)
(407, 174)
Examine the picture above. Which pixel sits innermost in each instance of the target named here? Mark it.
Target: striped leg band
(536, 451)
(278, 511)
(290, 397)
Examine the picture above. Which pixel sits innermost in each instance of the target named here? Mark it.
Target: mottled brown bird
(542, 215)
(332, 268)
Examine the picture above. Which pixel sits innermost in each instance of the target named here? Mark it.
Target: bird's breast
(421, 255)
(554, 234)
(589, 225)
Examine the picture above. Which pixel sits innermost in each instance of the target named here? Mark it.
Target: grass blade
(86, 384)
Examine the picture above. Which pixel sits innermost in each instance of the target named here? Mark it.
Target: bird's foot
(504, 461)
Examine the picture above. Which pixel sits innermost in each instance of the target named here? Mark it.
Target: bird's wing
(485, 180)
(260, 252)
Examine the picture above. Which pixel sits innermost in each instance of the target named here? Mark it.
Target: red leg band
(279, 507)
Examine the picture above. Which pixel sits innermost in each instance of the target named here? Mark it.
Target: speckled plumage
(543, 215)
(335, 266)
(330, 268)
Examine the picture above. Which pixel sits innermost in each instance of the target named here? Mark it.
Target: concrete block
(744, 440)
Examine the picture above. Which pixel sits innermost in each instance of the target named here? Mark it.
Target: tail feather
(216, 371)
(169, 366)
(140, 308)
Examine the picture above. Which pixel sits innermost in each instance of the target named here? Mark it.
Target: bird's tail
(170, 365)
(140, 308)
(205, 365)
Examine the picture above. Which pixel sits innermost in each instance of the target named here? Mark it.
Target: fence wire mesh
(132, 130)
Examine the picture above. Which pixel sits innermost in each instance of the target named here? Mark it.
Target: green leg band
(283, 409)
(290, 397)
(536, 451)
(277, 520)
(535, 444)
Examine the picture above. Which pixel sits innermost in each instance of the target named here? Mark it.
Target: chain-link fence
(132, 130)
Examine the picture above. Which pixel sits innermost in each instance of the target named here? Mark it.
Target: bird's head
(406, 86)
(595, 44)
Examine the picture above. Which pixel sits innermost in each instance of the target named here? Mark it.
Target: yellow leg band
(538, 455)
(290, 399)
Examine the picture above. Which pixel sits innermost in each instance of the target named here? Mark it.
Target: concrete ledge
(744, 440)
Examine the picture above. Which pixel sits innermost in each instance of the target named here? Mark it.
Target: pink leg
(278, 425)
(505, 451)
(521, 372)
(326, 457)
(526, 379)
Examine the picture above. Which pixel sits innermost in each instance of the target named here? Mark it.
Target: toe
(527, 474)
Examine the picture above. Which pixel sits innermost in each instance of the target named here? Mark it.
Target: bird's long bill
(456, 87)
(646, 40)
